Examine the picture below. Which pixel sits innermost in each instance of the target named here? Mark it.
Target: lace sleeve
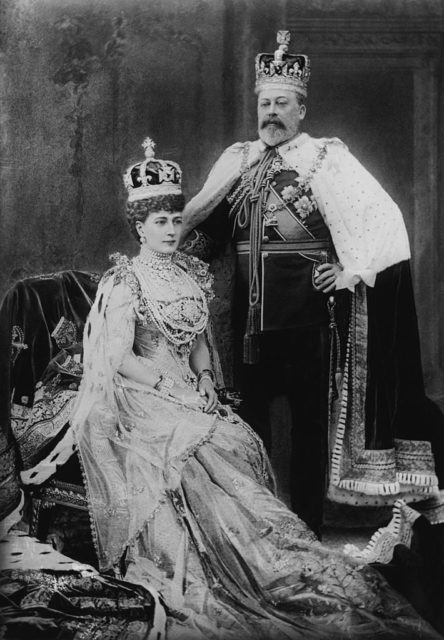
(108, 336)
(120, 318)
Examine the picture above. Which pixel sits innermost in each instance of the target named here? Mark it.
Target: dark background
(84, 81)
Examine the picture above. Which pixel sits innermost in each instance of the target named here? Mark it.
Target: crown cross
(149, 146)
(283, 37)
(283, 40)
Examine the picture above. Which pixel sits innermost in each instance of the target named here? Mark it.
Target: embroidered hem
(407, 468)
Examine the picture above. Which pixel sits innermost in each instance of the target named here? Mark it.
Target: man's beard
(273, 132)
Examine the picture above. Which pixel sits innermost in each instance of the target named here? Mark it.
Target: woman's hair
(139, 210)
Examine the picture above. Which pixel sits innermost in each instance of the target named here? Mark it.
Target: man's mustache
(274, 121)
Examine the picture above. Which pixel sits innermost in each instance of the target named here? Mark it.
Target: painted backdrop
(84, 81)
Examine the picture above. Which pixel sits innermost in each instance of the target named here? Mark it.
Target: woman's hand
(188, 396)
(207, 391)
(326, 276)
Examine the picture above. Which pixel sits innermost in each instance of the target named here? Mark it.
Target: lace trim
(92, 522)
(382, 543)
(188, 453)
(193, 448)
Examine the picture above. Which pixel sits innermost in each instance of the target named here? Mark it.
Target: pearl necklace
(173, 316)
(160, 263)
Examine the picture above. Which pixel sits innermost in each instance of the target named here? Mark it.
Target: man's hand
(207, 391)
(326, 276)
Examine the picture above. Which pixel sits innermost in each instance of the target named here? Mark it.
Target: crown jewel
(282, 69)
(152, 176)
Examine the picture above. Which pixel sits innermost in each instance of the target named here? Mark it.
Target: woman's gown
(184, 500)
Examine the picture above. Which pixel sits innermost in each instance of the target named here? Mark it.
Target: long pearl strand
(162, 266)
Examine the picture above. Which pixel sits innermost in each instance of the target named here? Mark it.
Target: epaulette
(120, 260)
(121, 264)
(334, 141)
(122, 271)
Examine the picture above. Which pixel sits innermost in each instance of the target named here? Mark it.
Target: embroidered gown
(185, 501)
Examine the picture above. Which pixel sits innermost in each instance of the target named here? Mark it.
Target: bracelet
(205, 373)
(204, 377)
(164, 384)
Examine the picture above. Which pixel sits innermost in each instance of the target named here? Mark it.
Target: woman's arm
(200, 362)
(133, 369)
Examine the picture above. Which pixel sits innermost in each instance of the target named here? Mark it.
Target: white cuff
(348, 279)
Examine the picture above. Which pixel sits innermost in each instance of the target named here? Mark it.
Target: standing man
(316, 236)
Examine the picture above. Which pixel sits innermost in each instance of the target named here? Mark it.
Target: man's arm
(366, 225)
(209, 237)
(222, 177)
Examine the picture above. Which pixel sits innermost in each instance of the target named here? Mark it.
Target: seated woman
(180, 489)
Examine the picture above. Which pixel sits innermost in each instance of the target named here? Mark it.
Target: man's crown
(152, 177)
(282, 70)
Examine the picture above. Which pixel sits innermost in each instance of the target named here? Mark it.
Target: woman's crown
(152, 177)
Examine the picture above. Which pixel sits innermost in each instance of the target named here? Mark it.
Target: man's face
(279, 115)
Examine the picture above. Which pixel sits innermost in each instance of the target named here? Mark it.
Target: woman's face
(161, 230)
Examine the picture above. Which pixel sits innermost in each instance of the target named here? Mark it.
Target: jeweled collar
(155, 259)
(297, 141)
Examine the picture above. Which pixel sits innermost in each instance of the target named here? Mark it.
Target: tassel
(251, 349)
(252, 213)
(335, 346)
(251, 337)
